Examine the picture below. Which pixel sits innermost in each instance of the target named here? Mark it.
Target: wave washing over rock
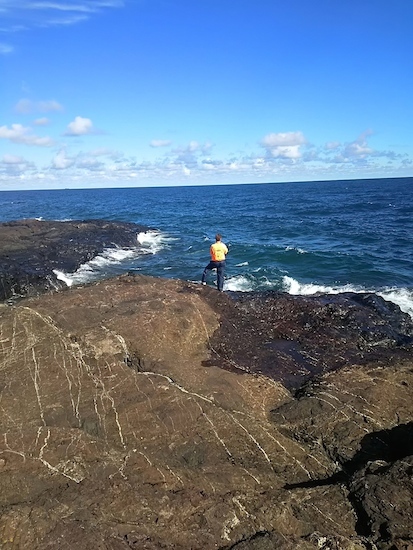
(140, 412)
(35, 254)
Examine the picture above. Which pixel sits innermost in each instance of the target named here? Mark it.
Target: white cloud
(5, 49)
(284, 145)
(27, 106)
(85, 163)
(90, 163)
(105, 152)
(24, 106)
(87, 6)
(41, 121)
(105, 166)
(12, 159)
(61, 6)
(15, 166)
(287, 152)
(21, 134)
(50, 105)
(194, 147)
(283, 139)
(359, 153)
(259, 162)
(160, 143)
(354, 152)
(23, 14)
(357, 150)
(332, 145)
(61, 161)
(80, 127)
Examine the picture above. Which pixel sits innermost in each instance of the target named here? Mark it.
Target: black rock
(30, 250)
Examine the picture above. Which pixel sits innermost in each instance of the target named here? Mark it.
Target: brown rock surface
(130, 419)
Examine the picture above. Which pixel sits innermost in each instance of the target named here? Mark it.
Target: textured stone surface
(148, 413)
(293, 339)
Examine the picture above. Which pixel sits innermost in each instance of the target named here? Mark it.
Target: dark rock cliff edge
(159, 414)
(30, 251)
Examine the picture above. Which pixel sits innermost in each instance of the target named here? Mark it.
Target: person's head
(218, 237)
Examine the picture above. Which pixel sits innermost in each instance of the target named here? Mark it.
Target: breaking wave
(403, 297)
(114, 261)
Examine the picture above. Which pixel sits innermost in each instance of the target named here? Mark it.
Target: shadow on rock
(379, 479)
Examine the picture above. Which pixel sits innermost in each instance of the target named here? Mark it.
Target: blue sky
(107, 93)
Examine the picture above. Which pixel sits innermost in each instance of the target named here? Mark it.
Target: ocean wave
(247, 283)
(239, 284)
(296, 249)
(95, 269)
(113, 261)
(153, 241)
(292, 286)
(402, 297)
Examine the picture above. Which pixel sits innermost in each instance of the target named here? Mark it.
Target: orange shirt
(218, 251)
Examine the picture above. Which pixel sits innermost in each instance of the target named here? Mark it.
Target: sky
(129, 93)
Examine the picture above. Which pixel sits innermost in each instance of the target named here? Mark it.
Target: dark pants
(220, 267)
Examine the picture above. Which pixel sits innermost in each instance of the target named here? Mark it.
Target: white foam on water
(239, 284)
(242, 264)
(151, 242)
(299, 250)
(399, 296)
(61, 276)
(92, 270)
(292, 286)
(242, 283)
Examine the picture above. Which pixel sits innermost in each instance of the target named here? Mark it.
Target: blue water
(300, 238)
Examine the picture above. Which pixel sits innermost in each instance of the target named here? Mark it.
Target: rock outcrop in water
(31, 250)
(156, 414)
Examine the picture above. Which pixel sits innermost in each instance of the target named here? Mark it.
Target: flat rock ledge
(159, 414)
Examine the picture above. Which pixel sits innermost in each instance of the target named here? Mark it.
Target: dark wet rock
(30, 250)
(383, 494)
(293, 339)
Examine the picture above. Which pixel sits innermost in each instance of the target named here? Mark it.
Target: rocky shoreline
(160, 414)
(31, 250)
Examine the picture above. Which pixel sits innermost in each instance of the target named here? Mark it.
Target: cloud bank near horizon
(277, 156)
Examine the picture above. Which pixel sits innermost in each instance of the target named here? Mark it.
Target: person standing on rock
(218, 253)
